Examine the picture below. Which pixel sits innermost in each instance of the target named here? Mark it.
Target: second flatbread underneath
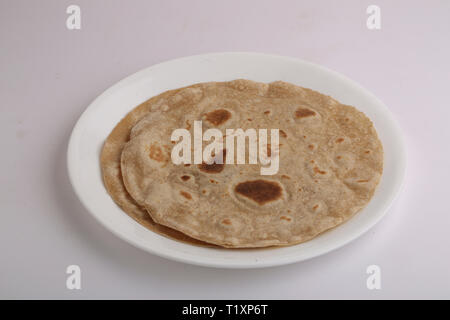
(112, 176)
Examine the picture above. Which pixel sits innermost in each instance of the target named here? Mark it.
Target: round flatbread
(330, 162)
(112, 175)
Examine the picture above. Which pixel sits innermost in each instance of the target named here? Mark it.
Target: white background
(48, 76)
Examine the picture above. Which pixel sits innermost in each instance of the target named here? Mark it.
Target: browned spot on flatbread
(156, 153)
(317, 170)
(339, 140)
(185, 194)
(283, 134)
(362, 181)
(304, 112)
(213, 167)
(285, 218)
(185, 178)
(219, 116)
(307, 229)
(226, 221)
(260, 191)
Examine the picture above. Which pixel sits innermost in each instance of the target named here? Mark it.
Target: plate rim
(401, 152)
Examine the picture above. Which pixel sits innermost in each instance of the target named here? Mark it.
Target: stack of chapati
(331, 161)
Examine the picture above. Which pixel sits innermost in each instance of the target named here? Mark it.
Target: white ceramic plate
(105, 112)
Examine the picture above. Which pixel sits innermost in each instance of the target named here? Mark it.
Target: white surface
(49, 75)
(108, 109)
